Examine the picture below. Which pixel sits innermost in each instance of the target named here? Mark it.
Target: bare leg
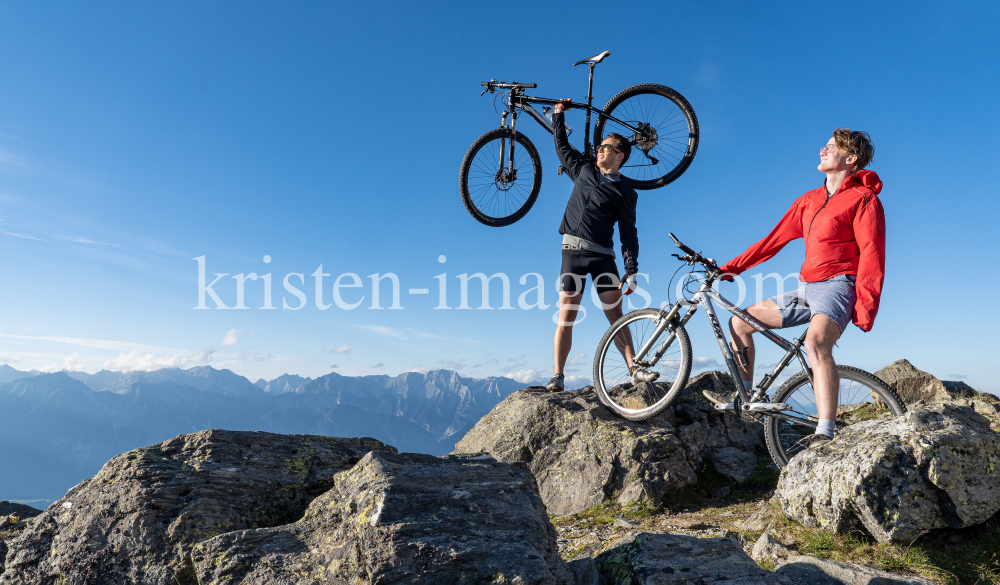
(569, 304)
(823, 334)
(611, 302)
(767, 313)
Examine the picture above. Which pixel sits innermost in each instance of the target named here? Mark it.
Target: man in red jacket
(843, 225)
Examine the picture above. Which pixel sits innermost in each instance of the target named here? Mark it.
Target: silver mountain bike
(655, 339)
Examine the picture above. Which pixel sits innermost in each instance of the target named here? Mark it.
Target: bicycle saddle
(595, 59)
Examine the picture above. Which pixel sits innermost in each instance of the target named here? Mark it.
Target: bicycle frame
(517, 100)
(704, 298)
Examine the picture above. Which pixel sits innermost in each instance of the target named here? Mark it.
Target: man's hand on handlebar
(563, 105)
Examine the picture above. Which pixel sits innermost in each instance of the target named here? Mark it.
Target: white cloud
(378, 365)
(576, 360)
(230, 339)
(455, 364)
(343, 348)
(84, 241)
(526, 376)
(124, 346)
(147, 361)
(69, 363)
(383, 330)
(411, 333)
(22, 236)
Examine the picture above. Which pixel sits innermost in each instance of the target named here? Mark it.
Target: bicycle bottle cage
(595, 59)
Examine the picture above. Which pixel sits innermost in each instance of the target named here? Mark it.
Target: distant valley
(59, 429)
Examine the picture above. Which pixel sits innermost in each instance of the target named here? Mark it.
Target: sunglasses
(604, 147)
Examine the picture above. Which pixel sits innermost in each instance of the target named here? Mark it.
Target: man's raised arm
(569, 157)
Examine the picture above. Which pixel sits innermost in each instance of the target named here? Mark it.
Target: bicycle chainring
(751, 417)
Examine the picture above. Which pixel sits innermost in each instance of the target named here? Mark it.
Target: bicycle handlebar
(505, 85)
(693, 256)
(684, 248)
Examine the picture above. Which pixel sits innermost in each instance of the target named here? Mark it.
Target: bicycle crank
(755, 407)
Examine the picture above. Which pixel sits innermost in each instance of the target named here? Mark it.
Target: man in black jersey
(600, 198)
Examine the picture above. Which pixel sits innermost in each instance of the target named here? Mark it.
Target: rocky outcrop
(816, 571)
(19, 510)
(403, 518)
(937, 466)
(582, 455)
(650, 558)
(136, 520)
(915, 385)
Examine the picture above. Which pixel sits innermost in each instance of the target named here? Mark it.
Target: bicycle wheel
(611, 370)
(667, 139)
(493, 192)
(862, 397)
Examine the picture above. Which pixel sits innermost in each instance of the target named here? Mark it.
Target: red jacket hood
(863, 178)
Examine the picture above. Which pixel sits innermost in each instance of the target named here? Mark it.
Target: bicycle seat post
(590, 99)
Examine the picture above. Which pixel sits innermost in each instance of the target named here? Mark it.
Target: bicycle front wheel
(494, 191)
(862, 397)
(627, 336)
(665, 138)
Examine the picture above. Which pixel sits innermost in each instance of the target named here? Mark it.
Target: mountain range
(58, 429)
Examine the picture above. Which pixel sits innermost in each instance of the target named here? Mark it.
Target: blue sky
(136, 137)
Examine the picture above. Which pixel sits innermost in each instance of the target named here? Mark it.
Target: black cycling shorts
(577, 264)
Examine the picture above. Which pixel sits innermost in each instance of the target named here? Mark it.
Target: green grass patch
(956, 557)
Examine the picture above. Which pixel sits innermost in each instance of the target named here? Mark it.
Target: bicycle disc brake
(645, 138)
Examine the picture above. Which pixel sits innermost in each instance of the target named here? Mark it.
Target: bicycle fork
(508, 174)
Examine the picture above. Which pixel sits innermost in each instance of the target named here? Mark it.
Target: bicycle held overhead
(501, 173)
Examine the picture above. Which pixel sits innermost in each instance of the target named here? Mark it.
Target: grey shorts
(834, 298)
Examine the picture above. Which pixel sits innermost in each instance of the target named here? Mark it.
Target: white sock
(748, 384)
(825, 427)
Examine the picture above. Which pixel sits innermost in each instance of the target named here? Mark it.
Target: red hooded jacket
(844, 234)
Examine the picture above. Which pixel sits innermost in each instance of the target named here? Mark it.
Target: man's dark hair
(857, 143)
(622, 145)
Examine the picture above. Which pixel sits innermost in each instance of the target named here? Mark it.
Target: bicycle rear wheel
(612, 382)
(667, 139)
(862, 397)
(494, 192)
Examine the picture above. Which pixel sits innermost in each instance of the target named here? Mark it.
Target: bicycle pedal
(766, 406)
(727, 406)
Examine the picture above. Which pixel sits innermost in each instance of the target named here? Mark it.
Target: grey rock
(402, 518)
(582, 455)
(816, 571)
(734, 463)
(915, 385)
(625, 524)
(767, 547)
(758, 521)
(584, 570)
(136, 520)
(934, 467)
(19, 510)
(721, 493)
(652, 558)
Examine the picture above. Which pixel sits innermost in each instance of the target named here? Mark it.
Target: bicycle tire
(673, 140)
(492, 198)
(784, 438)
(611, 377)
